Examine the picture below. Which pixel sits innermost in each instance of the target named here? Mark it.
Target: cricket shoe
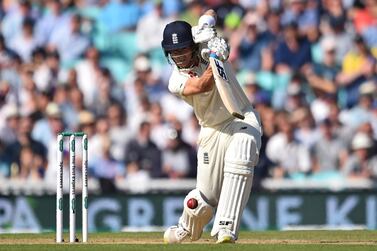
(175, 234)
(225, 236)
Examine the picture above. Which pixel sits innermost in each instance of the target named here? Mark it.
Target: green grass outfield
(261, 241)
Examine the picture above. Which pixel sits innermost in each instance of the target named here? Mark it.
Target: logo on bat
(225, 223)
(221, 70)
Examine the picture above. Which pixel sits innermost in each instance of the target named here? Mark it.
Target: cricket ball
(192, 203)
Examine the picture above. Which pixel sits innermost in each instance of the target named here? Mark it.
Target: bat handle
(212, 54)
(234, 114)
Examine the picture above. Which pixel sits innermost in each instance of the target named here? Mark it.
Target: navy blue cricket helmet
(177, 35)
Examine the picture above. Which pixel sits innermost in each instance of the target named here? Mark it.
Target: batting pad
(195, 219)
(240, 160)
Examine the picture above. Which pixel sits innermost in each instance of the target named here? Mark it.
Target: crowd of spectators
(308, 66)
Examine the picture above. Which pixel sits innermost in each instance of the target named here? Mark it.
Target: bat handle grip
(212, 54)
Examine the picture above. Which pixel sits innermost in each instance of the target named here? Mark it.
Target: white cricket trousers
(213, 145)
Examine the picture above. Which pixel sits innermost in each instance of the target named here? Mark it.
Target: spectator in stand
(72, 104)
(260, 4)
(24, 43)
(358, 66)
(368, 130)
(143, 110)
(133, 93)
(31, 166)
(107, 93)
(362, 112)
(38, 56)
(177, 156)
(289, 156)
(249, 43)
(9, 119)
(43, 99)
(136, 82)
(176, 107)
(228, 9)
(101, 134)
(263, 8)
(6, 55)
(313, 34)
(70, 42)
(361, 164)
(88, 71)
(150, 27)
(250, 87)
(141, 151)
(4, 91)
(14, 19)
(268, 116)
(159, 126)
(48, 74)
(335, 28)
(303, 12)
(306, 132)
(55, 18)
(28, 92)
(113, 13)
(151, 82)
(273, 30)
(192, 11)
(119, 131)
(322, 76)
(4, 167)
(145, 88)
(365, 20)
(341, 130)
(329, 152)
(177, 125)
(106, 168)
(296, 96)
(322, 80)
(171, 7)
(333, 11)
(86, 123)
(46, 129)
(373, 120)
(12, 75)
(71, 79)
(26, 156)
(293, 52)
(61, 98)
(137, 178)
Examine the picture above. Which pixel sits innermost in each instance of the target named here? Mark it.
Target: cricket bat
(223, 81)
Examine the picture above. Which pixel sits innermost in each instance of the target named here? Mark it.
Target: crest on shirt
(174, 38)
(205, 158)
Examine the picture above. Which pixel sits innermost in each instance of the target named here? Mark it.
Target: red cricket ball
(192, 203)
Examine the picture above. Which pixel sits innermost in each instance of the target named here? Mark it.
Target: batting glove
(203, 34)
(220, 47)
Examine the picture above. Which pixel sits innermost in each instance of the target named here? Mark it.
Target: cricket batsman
(228, 147)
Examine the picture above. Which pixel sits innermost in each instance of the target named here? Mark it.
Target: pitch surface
(261, 241)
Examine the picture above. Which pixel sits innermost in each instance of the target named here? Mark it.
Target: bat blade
(222, 81)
